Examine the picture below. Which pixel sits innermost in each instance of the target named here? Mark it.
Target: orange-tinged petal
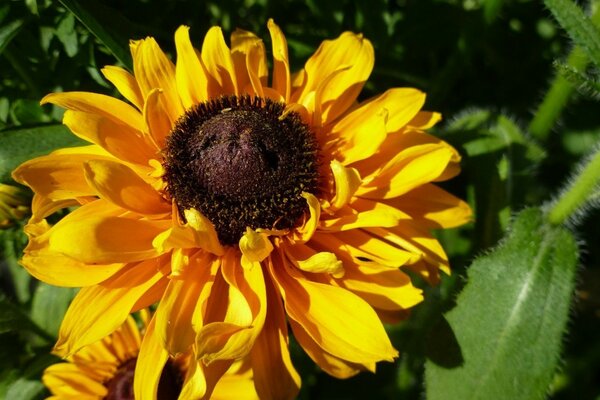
(274, 375)
(424, 120)
(157, 120)
(153, 70)
(365, 213)
(234, 386)
(307, 230)
(151, 361)
(348, 50)
(118, 139)
(112, 301)
(249, 60)
(95, 103)
(125, 84)
(331, 364)
(192, 82)
(123, 187)
(106, 239)
(281, 65)
(342, 323)
(217, 59)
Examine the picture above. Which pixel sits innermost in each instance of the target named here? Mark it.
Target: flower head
(105, 370)
(13, 205)
(245, 204)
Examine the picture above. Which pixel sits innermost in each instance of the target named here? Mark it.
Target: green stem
(578, 193)
(559, 93)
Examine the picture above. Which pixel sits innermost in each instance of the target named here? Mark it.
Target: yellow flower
(105, 370)
(244, 203)
(13, 205)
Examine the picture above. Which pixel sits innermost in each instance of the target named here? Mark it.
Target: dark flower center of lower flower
(120, 386)
(242, 162)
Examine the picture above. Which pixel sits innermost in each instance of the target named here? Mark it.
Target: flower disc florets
(242, 162)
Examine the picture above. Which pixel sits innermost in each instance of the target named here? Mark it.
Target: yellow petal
(307, 259)
(106, 239)
(383, 288)
(403, 105)
(341, 323)
(235, 386)
(68, 381)
(434, 207)
(56, 177)
(348, 50)
(233, 338)
(157, 120)
(216, 56)
(123, 187)
(331, 364)
(94, 103)
(347, 182)
(198, 231)
(176, 309)
(248, 56)
(365, 213)
(255, 246)
(153, 70)
(192, 83)
(281, 66)
(151, 361)
(309, 227)
(125, 84)
(408, 171)
(117, 139)
(99, 310)
(274, 375)
(424, 120)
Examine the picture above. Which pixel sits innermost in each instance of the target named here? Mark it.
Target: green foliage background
(485, 64)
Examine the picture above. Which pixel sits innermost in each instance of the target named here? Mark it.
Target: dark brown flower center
(120, 386)
(242, 163)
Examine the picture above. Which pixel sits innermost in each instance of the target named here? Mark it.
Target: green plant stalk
(578, 193)
(559, 93)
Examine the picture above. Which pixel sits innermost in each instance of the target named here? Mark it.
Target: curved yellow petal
(234, 337)
(99, 310)
(348, 50)
(309, 260)
(341, 323)
(347, 181)
(306, 231)
(123, 187)
(275, 378)
(402, 105)
(329, 363)
(56, 176)
(255, 246)
(94, 103)
(153, 70)
(281, 65)
(151, 361)
(192, 82)
(217, 59)
(68, 381)
(106, 239)
(157, 120)
(125, 83)
(249, 60)
(120, 140)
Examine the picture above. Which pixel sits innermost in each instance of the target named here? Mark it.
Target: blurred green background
(485, 65)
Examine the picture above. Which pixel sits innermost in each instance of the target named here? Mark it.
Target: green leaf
(578, 26)
(8, 32)
(25, 389)
(104, 23)
(67, 35)
(49, 306)
(11, 248)
(13, 319)
(584, 84)
(19, 145)
(510, 317)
